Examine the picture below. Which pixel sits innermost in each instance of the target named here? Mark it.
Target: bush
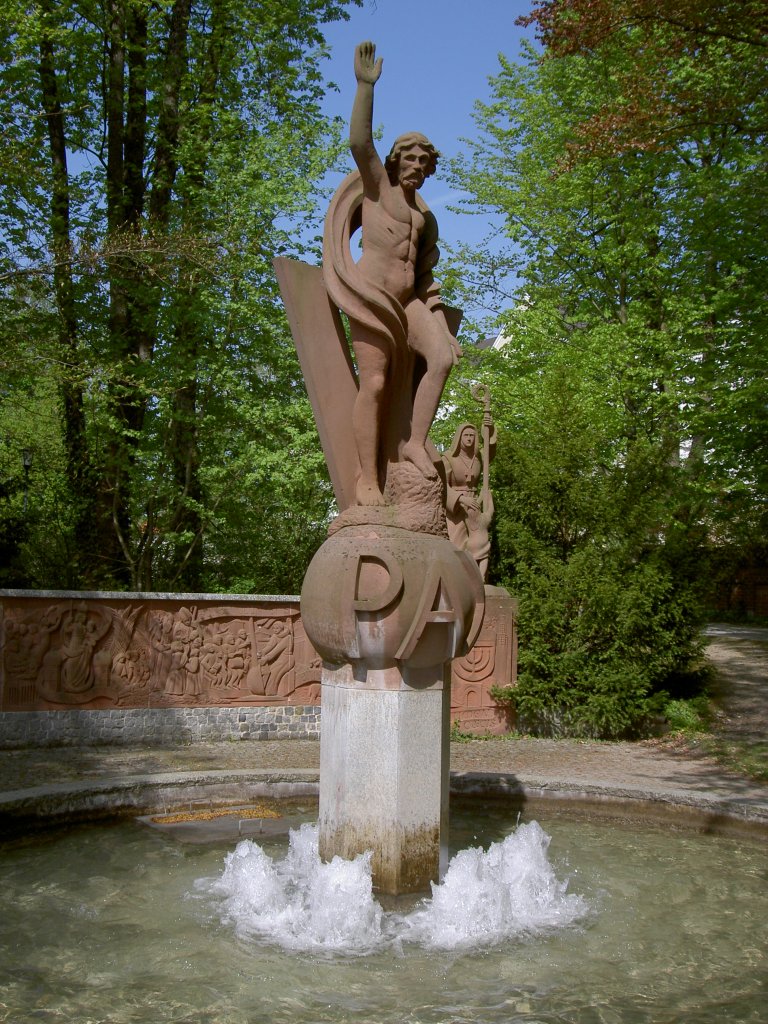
(600, 635)
(607, 631)
(688, 715)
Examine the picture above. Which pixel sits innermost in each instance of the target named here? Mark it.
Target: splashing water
(508, 891)
(302, 904)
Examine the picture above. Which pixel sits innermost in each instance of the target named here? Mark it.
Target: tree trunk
(81, 474)
(188, 346)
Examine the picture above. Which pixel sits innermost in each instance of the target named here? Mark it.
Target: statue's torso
(464, 472)
(392, 230)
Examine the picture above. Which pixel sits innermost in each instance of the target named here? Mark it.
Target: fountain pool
(113, 924)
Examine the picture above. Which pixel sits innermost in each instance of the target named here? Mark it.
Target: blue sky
(438, 55)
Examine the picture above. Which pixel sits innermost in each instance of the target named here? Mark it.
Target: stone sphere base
(382, 596)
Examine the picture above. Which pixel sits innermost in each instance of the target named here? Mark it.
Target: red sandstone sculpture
(150, 652)
(373, 417)
(387, 601)
(374, 596)
(469, 502)
(390, 296)
(131, 662)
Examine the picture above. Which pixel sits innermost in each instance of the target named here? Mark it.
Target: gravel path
(740, 656)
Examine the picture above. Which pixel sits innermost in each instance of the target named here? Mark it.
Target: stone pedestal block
(384, 767)
(388, 609)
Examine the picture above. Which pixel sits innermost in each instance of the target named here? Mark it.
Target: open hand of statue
(367, 68)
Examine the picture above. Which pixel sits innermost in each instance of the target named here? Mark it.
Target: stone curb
(56, 804)
(682, 808)
(70, 802)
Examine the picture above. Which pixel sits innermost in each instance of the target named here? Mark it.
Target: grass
(458, 735)
(695, 724)
(688, 716)
(750, 759)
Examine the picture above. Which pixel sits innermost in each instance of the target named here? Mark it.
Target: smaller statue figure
(469, 504)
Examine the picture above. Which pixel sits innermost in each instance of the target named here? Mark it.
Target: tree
(693, 65)
(631, 412)
(156, 157)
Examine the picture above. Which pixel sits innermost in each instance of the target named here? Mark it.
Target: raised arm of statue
(367, 72)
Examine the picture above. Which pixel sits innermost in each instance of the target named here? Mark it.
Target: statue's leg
(429, 337)
(372, 355)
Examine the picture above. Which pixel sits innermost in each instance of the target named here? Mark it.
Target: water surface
(121, 924)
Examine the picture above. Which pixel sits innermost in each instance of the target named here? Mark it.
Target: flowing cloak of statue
(352, 291)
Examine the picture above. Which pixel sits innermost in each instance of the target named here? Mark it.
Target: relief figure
(277, 661)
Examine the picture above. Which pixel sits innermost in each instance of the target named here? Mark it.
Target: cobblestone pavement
(661, 769)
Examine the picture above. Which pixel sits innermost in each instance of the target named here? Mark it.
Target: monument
(388, 600)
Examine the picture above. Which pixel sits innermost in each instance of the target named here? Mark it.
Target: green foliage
(458, 735)
(690, 716)
(155, 159)
(630, 391)
(609, 599)
(691, 63)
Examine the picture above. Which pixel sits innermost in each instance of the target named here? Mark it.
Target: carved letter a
(438, 603)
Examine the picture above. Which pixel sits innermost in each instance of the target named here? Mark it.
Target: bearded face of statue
(412, 167)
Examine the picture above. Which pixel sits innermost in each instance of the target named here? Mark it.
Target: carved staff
(481, 393)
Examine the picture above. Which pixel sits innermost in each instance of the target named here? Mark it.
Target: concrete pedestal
(384, 766)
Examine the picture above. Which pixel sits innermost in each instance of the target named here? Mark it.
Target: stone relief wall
(92, 651)
(491, 662)
(140, 651)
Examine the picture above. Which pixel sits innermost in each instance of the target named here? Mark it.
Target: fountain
(121, 924)
(388, 600)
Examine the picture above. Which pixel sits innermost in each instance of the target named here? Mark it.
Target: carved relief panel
(62, 651)
(491, 662)
(145, 653)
